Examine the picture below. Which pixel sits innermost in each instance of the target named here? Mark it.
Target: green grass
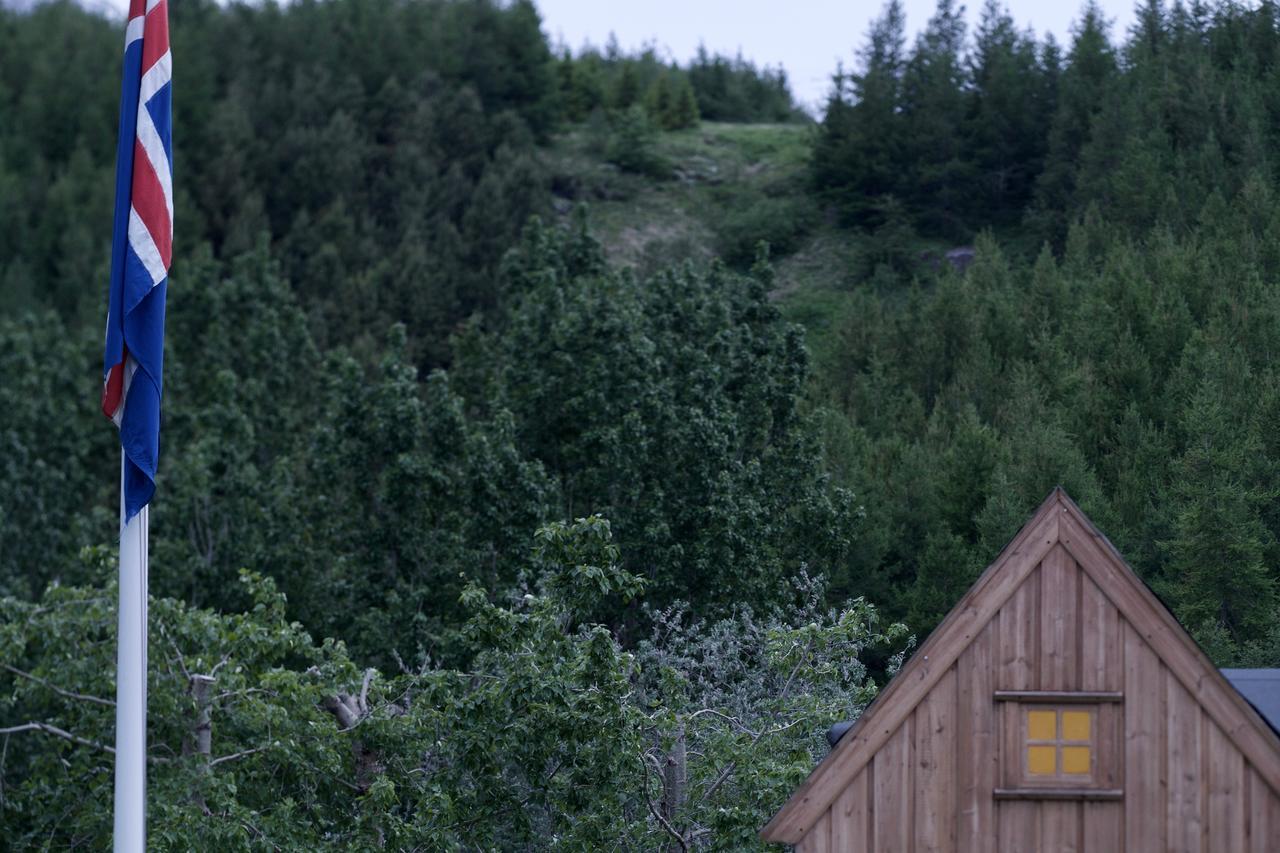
(718, 172)
(644, 221)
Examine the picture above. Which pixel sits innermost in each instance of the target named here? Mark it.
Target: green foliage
(736, 90)
(669, 405)
(389, 181)
(260, 738)
(631, 144)
(671, 103)
(1116, 373)
(779, 219)
(59, 459)
(716, 87)
(1222, 487)
(1001, 131)
(377, 389)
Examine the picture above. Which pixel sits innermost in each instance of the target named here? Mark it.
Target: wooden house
(1059, 707)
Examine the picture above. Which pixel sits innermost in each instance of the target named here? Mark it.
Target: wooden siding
(929, 787)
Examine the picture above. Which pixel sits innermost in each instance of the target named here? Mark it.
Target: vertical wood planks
(926, 783)
(850, 817)
(1101, 641)
(1184, 807)
(1019, 638)
(892, 799)
(934, 768)
(977, 746)
(1102, 668)
(1264, 815)
(1226, 793)
(1019, 826)
(817, 839)
(1018, 823)
(1145, 785)
(1103, 827)
(1059, 621)
(1060, 827)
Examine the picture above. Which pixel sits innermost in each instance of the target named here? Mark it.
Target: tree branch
(653, 810)
(235, 756)
(69, 694)
(57, 732)
(364, 692)
(182, 662)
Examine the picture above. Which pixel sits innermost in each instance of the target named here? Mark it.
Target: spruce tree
(1009, 105)
(1083, 91)
(933, 105)
(858, 154)
(1218, 573)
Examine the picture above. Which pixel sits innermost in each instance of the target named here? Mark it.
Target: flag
(141, 249)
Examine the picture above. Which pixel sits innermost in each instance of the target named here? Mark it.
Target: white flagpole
(131, 685)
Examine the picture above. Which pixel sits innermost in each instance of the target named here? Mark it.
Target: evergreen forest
(558, 439)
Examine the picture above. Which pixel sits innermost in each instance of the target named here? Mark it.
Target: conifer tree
(626, 89)
(1219, 548)
(1010, 102)
(658, 101)
(1082, 93)
(858, 154)
(684, 104)
(933, 106)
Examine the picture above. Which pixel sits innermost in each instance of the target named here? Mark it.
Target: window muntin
(1059, 742)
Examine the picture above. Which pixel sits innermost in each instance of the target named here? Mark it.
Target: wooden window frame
(1105, 781)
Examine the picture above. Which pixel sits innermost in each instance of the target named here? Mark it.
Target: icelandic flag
(140, 250)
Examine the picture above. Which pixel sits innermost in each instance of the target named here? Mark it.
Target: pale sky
(806, 37)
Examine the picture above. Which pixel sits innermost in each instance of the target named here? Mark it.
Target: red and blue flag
(141, 249)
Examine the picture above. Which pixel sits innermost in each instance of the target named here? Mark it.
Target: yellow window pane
(1075, 725)
(1075, 760)
(1042, 725)
(1042, 760)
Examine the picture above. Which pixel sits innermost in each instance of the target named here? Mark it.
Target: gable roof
(1058, 521)
(1262, 688)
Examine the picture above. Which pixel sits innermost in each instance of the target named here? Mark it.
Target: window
(1060, 745)
(1059, 742)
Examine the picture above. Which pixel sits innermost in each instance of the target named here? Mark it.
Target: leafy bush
(261, 738)
(751, 217)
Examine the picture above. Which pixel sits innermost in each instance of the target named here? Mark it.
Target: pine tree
(658, 100)
(684, 105)
(933, 106)
(626, 89)
(858, 156)
(1083, 92)
(1009, 105)
(1217, 573)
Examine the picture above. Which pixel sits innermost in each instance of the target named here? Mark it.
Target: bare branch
(235, 756)
(364, 691)
(57, 732)
(341, 708)
(248, 691)
(213, 673)
(733, 721)
(182, 662)
(69, 694)
(653, 810)
(733, 765)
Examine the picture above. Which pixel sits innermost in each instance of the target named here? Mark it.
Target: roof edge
(922, 671)
(1172, 643)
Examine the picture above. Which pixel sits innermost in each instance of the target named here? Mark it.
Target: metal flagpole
(131, 684)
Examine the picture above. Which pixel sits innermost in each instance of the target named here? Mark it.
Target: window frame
(1106, 750)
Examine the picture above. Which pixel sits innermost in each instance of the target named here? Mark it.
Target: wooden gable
(1058, 617)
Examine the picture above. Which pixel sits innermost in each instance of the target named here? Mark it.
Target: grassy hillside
(716, 191)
